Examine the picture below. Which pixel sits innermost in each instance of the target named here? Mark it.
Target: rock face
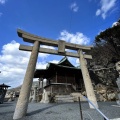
(106, 74)
(105, 93)
(104, 78)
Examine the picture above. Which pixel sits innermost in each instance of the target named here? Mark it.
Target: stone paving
(61, 111)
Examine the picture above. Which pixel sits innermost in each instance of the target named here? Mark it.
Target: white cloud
(106, 6)
(41, 65)
(1, 14)
(44, 55)
(3, 1)
(49, 47)
(13, 64)
(77, 61)
(74, 61)
(98, 12)
(78, 38)
(74, 7)
(54, 61)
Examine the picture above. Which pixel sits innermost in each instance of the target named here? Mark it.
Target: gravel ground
(61, 111)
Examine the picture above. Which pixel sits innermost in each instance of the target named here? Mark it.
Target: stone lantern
(3, 90)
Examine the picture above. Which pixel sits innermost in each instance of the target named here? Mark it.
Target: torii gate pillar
(22, 104)
(87, 80)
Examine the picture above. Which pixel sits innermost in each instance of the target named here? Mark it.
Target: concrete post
(87, 80)
(34, 95)
(22, 104)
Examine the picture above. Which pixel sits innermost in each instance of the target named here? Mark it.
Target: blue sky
(76, 21)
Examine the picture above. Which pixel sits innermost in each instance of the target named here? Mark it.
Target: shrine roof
(65, 62)
(4, 85)
(51, 68)
(50, 65)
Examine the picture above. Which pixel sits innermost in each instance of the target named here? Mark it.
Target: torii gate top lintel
(27, 37)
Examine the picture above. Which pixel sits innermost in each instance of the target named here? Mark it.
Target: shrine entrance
(22, 104)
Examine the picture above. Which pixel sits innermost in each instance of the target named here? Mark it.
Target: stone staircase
(70, 97)
(63, 98)
(73, 97)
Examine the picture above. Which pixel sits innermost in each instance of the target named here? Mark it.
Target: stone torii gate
(22, 104)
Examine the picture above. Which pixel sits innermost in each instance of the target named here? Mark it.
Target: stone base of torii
(22, 104)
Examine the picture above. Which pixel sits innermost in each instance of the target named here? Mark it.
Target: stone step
(64, 98)
(76, 95)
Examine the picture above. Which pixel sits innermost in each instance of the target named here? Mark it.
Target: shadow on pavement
(40, 110)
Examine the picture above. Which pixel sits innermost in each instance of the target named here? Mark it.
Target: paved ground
(63, 111)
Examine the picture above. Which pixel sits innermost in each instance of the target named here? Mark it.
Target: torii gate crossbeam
(22, 104)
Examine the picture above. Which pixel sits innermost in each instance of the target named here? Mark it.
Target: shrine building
(61, 79)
